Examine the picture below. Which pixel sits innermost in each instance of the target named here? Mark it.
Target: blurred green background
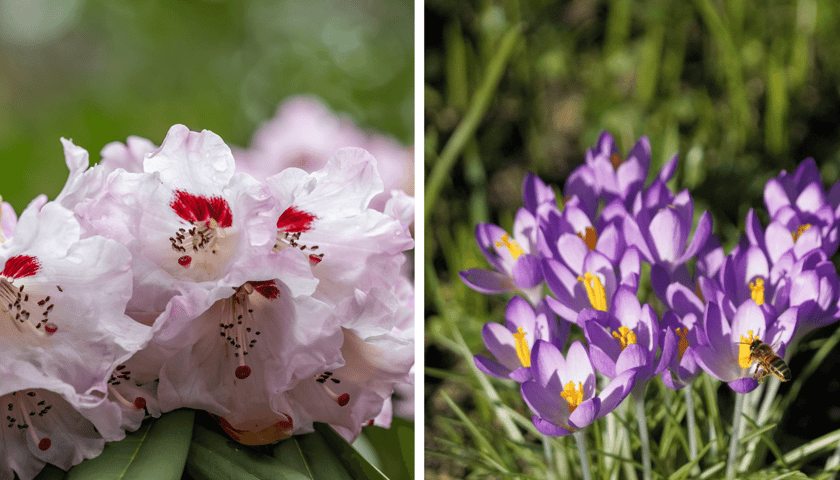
(97, 71)
(740, 90)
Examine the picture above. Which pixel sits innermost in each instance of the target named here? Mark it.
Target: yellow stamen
(744, 349)
(595, 291)
(522, 350)
(590, 237)
(513, 247)
(625, 337)
(616, 160)
(757, 289)
(683, 345)
(799, 231)
(572, 396)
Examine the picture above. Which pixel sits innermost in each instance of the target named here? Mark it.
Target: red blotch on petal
(267, 289)
(343, 399)
(185, 261)
(243, 372)
(294, 220)
(21, 266)
(286, 424)
(50, 328)
(139, 403)
(315, 259)
(195, 208)
(370, 423)
(44, 444)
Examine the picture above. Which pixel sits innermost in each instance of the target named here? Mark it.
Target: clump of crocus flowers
(588, 249)
(163, 277)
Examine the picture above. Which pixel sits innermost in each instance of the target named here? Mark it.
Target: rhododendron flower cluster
(164, 277)
(774, 286)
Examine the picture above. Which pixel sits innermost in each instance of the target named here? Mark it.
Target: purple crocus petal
(633, 236)
(807, 173)
(743, 385)
(502, 344)
(755, 232)
(626, 307)
(611, 243)
(641, 153)
(630, 268)
(775, 196)
(570, 293)
(545, 403)
(810, 240)
(601, 360)
(811, 198)
(670, 380)
(631, 178)
(597, 334)
(572, 250)
(834, 198)
(585, 413)
(535, 193)
(778, 240)
(548, 428)
(682, 299)
(634, 357)
(549, 327)
(717, 329)
(546, 363)
(519, 313)
(486, 235)
(714, 363)
(783, 328)
(485, 281)
(701, 236)
(668, 169)
(710, 257)
(616, 391)
(748, 317)
(578, 368)
(521, 374)
(491, 368)
(669, 348)
(667, 235)
(581, 185)
(527, 272)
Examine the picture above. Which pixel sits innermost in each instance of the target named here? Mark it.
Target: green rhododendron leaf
(157, 450)
(353, 461)
(394, 447)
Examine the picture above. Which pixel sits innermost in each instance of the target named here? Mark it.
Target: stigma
(522, 350)
(799, 231)
(625, 336)
(683, 344)
(590, 237)
(513, 247)
(342, 399)
(595, 291)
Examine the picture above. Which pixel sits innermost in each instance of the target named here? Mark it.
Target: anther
(513, 247)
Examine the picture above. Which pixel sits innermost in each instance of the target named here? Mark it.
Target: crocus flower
(679, 335)
(814, 291)
(563, 391)
(723, 349)
(616, 177)
(625, 337)
(514, 268)
(511, 343)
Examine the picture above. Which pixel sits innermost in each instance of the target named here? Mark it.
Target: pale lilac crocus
(563, 392)
(679, 334)
(511, 343)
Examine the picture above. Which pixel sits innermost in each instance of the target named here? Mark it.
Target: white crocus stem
(551, 466)
(580, 440)
(737, 431)
(638, 394)
(750, 411)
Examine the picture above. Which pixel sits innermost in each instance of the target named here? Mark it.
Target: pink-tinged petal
(578, 368)
(701, 236)
(545, 403)
(527, 271)
(616, 391)
(572, 250)
(546, 363)
(549, 429)
(743, 385)
(779, 240)
(491, 368)
(811, 198)
(192, 158)
(634, 356)
(501, 343)
(775, 196)
(667, 235)
(485, 281)
(585, 413)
